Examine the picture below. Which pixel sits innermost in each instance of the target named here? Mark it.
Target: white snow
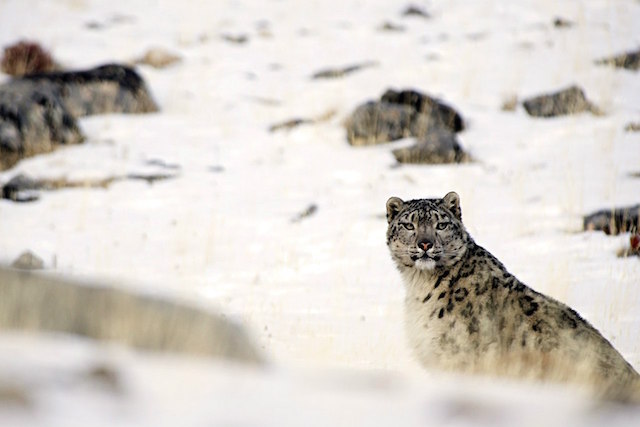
(321, 295)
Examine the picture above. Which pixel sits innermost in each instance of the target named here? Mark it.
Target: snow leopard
(465, 313)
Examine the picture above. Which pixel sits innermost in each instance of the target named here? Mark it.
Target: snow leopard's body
(466, 313)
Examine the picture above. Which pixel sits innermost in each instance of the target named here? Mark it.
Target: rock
(28, 261)
(110, 22)
(439, 146)
(148, 178)
(162, 164)
(158, 58)
(235, 38)
(298, 121)
(310, 210)
(334, 73)
(391, 27)
(34, 302)
(21, 188)
(400, 115)
(629, 60)
(379, 122)
(619, 220)
(413, 10)
(571, 100)
(38, 112)
(33, 120)
(106, 89)
(632, 127)
(438, 111)
(560, 22)
(289, 124)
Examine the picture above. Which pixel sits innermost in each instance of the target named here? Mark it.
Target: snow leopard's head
(426, 233)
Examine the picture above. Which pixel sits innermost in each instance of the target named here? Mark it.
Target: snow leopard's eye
(442, 225)
(408, 226)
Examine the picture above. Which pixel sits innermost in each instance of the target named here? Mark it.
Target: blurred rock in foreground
(57, 381)
(34, 302)
(39, 111)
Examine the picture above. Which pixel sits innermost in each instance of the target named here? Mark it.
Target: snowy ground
(322, 293)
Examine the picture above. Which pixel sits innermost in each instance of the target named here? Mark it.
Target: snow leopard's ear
(452, 202)
(394, 206)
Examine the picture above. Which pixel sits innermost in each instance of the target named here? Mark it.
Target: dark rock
(110, 22)
(235, 39)
(148, 178)
(629, 60)
(391, 27)
(28, 261)
(632, 127)
(33, 302)
(310, 210)
(106, 89)
(334, 73)
(33, 120)
(400, 115)
(413, 10)
(437, 110)
(289, 124)
(437, 147)
(619, 220)
(378, 122)
(21, 188)
(162, 164)
(38, 112)
(298, 121)
(560, 22)
(571, 100)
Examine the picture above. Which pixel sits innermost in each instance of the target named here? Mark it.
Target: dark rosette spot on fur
(460, 294)
(528, 305)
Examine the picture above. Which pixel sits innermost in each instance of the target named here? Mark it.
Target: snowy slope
(322, 292)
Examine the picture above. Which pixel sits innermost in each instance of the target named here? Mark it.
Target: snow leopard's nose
(425, 245)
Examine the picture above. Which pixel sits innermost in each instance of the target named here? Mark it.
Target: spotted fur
(465, 312)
